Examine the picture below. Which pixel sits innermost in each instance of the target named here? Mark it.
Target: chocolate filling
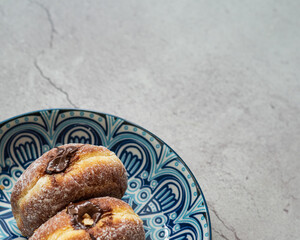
(92, 237)
(78, 210)
(61, 160)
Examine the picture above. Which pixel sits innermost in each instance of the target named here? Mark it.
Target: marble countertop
(217, 80)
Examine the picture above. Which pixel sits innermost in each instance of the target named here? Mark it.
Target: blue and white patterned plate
(161, 188)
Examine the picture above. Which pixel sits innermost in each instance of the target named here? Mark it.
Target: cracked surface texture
(217, 80)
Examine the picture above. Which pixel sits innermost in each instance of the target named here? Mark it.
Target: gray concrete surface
(217, 80)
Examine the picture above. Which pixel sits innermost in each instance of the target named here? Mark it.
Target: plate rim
(137, 125)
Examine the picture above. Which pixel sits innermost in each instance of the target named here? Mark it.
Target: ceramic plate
(161, 188)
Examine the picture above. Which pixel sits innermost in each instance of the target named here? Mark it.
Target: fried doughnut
(98, 218)
(65, 174)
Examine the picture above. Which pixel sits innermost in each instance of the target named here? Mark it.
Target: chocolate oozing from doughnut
(81, 211)
(61, 160)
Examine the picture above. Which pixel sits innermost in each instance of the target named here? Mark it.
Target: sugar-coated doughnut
(94, 219)
(65, 174)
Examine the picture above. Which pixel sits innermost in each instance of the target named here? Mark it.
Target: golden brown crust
(122, 223)
(93, 171)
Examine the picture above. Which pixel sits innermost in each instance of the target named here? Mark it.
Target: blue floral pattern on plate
(161, 188)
